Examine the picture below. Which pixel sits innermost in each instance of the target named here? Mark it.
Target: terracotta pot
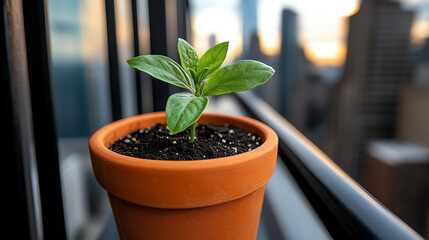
(205, 199)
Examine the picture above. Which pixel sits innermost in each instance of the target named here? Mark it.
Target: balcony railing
(346, 209)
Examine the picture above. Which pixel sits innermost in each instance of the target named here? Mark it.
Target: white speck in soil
(235, 149)
(253, 138)
(223, 140)
(127, 140)
(129, 136)
(146, 131)
(134, 139)
(257, 143)
(121, 138)
(231, 131)
(141, 131)
(249, 134)
(175, 142)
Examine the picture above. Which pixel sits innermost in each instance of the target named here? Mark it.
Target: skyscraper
(250, 26)
(377, 65)
(290, 55)
(251, 50)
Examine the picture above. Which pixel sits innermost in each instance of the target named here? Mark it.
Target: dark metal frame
(345, 208)
(115, 91)
(158, 45)
(137, 53)
(18, 209)
(45, 136)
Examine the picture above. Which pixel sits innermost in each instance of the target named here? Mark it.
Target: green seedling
(184, 109)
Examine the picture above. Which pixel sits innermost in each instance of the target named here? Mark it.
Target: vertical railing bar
(158, 45)
(45, 135)
(182, 11)
(137, 53)
(15, 205)
(113, 60)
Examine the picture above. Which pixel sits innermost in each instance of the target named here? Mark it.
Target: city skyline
(323, 36)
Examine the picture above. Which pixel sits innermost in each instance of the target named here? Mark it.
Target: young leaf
(211, 61)
(162, 68)
(188, 56)
(240, 76)
(183, 110)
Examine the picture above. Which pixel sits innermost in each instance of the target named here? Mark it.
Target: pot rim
(97, 143)
(182, 184)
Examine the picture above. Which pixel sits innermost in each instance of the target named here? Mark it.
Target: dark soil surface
(212, 141)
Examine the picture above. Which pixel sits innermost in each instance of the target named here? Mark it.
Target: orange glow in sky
(419, 31)
(321, 30)
(270, 45)
(326, 53)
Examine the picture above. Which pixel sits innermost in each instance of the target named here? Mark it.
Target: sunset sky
(322, 25)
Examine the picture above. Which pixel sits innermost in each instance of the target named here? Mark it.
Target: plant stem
(193, 132)
(197, 91)
(193, 126)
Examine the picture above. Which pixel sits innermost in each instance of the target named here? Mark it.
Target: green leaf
(193, 73)
(240, 76)
(183, 110)
(188, 56)
(162, 68)
(211, 61)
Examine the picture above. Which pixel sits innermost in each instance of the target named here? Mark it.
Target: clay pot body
(204, 199)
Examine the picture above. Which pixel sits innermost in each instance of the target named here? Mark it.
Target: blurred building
(397, 175)
(413, 115)
(397, 171)
(377, 65)
(310, 113)
(271, 90)
(297, 90)
(251, 50)
(250, 26)
(293, 65)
